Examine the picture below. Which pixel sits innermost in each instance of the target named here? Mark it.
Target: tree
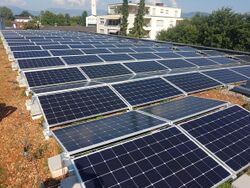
(25, 13)
(67, 19)
(83, 18)
(137, 30)
(222, 29)
(6, 13)
(124, 24)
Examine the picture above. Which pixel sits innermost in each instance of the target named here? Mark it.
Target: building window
(162, 11)
(159, 23)
(167, 11)
(102, 21)
(171, 23)
(113, 22)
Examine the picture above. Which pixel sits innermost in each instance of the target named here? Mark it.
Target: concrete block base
(57, 167)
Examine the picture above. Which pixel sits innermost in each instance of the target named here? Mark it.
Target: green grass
(225, 185)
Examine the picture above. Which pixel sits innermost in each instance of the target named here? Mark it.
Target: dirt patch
(224, 95)
(24, 151)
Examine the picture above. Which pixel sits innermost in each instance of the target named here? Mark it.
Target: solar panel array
(78, 76)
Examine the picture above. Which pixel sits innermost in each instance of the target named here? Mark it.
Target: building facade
(157, 17)
(20, 21)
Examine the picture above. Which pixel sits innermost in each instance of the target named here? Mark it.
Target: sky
(186, 5)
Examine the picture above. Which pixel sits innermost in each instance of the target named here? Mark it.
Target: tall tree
(6, 13)
(67, 19)
(124, 23)
(25, 13)
(83, 18)
(137, 30)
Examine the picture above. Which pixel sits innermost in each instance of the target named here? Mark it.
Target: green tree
(222, 29)
(83, 18)
(6, 13)
(137, 30)
(25, 13)
(67, 19)
(124, 23)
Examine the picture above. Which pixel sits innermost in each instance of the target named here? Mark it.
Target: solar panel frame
(82, 59)
(66, 52)
(56, 47)
(223, 60)
(188, 54)
(144, 56)
(121, 87)
(205, 105)
(25, 48)
(181, 127)
(135, 146)
(242, 70)
(115, 57)
(95, 87)
(31, 54)
(173, 64)
(202, 62)
(110, 121)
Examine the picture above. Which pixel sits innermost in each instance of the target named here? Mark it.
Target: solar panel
(142, 56)
(56, 76)
(146, 91)
(193, 82)
(60, 87)
(46, 43)
(201, 62)
(96, 133)
(25, 48)
(143, 49)
(168, 55)
(96, 51)
(226, 134)
(116, 57)
(70, 42)
(164, 159)
(124, 45)
(120, 50)
(145, 66)
(21, 44)
(245, 58)
(66, 52)
(213, 53)
(30, 54)
(180, 109)
(81, 46)
(100, 71)
(163, 49)
(226, 76)
(188, 54)
(38, 63)
(243, 70)
(176, 63)
(185, 48)
(223, 60)
(84, 59)
(61, 108)
(104, 45)
(55, 47)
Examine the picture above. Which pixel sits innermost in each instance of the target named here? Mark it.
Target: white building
(157, 17)
(92, 20)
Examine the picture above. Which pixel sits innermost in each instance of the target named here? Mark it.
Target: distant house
(20, 21)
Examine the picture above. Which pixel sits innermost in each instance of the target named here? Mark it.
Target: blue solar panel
(61, 108)
(25, 48)
(144, 56)
(38, 63)
(84, 59)
(183, 108)
(168, 55)
(163, 49)
(116, 57)
(185, 48)
(226, 76)
(81, 46)
(100, 132)
(100, 71)
(121, 50)
(146, 91)
(245, 58)
(30, 54)
(226, 134)
(143, 50)
(66, 52)
(104, 45)
(46, 43)
(21, 44)
(193, 82)
(145, 66)
(223, 60)
(213, 53)
(189, 54)
(55, 47)
(201, 62)
(176, 63)
(56, 76)
(164, 159)
(96, 51)
(243, 70)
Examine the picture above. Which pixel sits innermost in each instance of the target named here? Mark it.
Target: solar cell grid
(245, 58)
(168, 55)
(143, 49)
(213, 53)
(176, 63)
(243, 70)
(116, 57)
(54, 47)
(145, 66)
(183, 108)
(96, 51)
(164, 159)
(21, 44)
(188, 54)
(223, 60)
(88, 135)
(193, 82)
(81, 46)
(31, 54)
(146, 91)
(163, 49)
(201, 62)
(39, 63)
(25, 48)
(121, 50)
(142, 56)
(66, 52)
(100, 71)
(226, 76)
(61, 108)
(84, 59)
(226, 134)
(56, 76)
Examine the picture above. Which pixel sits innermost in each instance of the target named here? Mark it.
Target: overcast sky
(185, 5)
